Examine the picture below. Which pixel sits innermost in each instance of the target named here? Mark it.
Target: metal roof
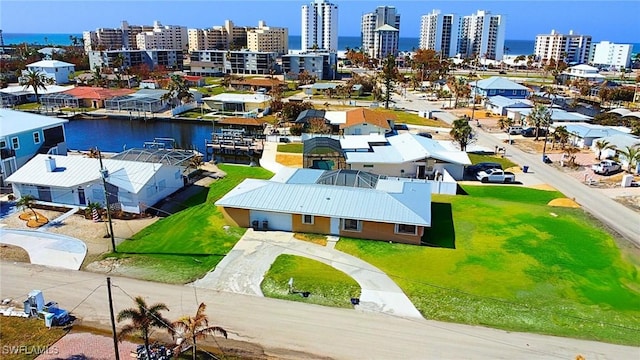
(502, 101)
(352, 178)
(49, 64)
(72, 171)
(584, 130)
(159, 156)
(498, 83)
(621, 141)
(412, 206)
(239, 98)
(14, 122)
(559, 115)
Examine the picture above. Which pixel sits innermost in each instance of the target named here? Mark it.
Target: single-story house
(250, 126)
(584, 135)
(406, 155)
(133, 186)
(194, 80)
(143, 100)
(341, 202)
(18, 94)
(83, 96)
(497, 85)
(255, 84)
(619, 141)
(557, 115)
(499, 105)
(112, 80)
(56, 70)
(23, 135)
(362, 121)
(319, 88)
(247, 105)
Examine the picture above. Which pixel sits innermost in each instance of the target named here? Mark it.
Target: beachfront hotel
(320, 26)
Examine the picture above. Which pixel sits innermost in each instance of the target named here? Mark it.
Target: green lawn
(27, 106)
(413, 119)
(501, 257)
(30, 334)
(327, 285)
(477, 158)
(190, 242)
(290, 148)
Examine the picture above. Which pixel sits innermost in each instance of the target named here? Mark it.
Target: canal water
(116, 135)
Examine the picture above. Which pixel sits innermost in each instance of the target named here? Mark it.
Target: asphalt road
(319, 332)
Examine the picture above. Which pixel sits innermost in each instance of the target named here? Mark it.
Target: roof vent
(50, 163)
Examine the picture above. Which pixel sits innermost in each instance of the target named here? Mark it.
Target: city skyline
(524, 19)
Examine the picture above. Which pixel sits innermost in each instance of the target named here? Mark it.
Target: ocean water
(515, 47)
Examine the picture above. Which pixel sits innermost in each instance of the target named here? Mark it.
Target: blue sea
(516, 47)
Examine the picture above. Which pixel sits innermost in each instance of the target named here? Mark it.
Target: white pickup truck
(606, 167)
(496, 176)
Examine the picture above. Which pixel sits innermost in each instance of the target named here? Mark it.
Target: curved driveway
(47, 249)
(243, 269)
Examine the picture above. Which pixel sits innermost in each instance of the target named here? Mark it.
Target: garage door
(277, 221)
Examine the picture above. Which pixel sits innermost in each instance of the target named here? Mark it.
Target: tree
(539, 117)
(188, 330)
(143, 319)
(389, 76)
(462, 133)
(36, 80)
(631, 154)
(178, 89)
(459, 87)
(428, 62)
(318, 126)
(27, 202)
(291, 110)
(561, 135)
(504, 122)
(602, 145)
(571, 152)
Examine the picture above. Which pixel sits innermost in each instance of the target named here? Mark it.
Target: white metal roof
(411, 206)
(336, 117)
(21, 90)
(408, 147)
(14, 122)
(239, 98)
(49, 64)
(74, 171)
(360, 141)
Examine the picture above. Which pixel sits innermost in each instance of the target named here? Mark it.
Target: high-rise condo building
(440, 32)
(606, 53)
(156, 36)
(163, 37)
(482, 35)
(268, 39)
(571, 48)
(228, 36)
(320, 26)
(386, 39)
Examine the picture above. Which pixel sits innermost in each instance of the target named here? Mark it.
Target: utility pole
(105, 173)
(113, 321)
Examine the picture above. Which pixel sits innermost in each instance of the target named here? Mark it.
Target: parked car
(531, 132)
(514, 130)
(606, 167)
(474, 169)
(502, 72)
(285, 140)
(425, 134)
(496, 176)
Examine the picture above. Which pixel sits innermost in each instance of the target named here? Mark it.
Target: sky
(604, 20)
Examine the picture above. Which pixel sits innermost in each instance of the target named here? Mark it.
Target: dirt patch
(33, 218)
(312, 238)
(14, 253)
(293, 160)
(632, 202)
(563, 202)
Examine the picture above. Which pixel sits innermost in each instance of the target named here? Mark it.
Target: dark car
(483, 166)
(531, 132)
(425, 134)
(502, 72)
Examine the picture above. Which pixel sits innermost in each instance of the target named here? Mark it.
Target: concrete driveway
(47, 249)
(243, 269)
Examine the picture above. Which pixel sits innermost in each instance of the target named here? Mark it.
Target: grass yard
(503, 258)
(413, 119)
(25, 338)
(478, 158)
(327, 285)
(182, 247)
(290, 148)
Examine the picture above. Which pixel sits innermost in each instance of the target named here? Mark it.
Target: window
(351, 225)
(15, 143)
(307, 219)
(406, 229)
(3, 144)
(36, 137)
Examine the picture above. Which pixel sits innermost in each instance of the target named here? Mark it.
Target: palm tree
(36, 80)
(602, 145)
(571, 152)
(561, 135)
(461, 133)
(631, 154)
(143, 319)
(179, 89)
(504, 122)
(27, 202)
(190, 329)
(539, 117)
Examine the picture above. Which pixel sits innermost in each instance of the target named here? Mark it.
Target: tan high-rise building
(163, 37)
(568, 48)
(269, 39)
(224, 37)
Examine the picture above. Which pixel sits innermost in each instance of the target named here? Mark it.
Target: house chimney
(50, 163)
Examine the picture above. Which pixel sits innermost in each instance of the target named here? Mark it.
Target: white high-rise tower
(372, 24)
(440, 32)
(320, 26)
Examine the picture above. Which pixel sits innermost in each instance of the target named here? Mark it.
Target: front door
(335, 226)
(421, 171)
(44, 193)
(82, 200)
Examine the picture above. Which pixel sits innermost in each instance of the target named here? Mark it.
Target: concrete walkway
(243, 269)
(268, 159)
(47, 249)
(59, 220)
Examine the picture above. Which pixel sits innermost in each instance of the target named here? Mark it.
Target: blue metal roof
(502, 101)
(584, 130)
(498, 83)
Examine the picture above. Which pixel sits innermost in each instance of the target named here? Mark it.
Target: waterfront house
(135, 179)
(245, 105)
(497, 85)
(18, 94)
(82, 96)
(362, 121)
(248, 126)
(256, 84)
(23, 135)
(58, 71)
(342, 203)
